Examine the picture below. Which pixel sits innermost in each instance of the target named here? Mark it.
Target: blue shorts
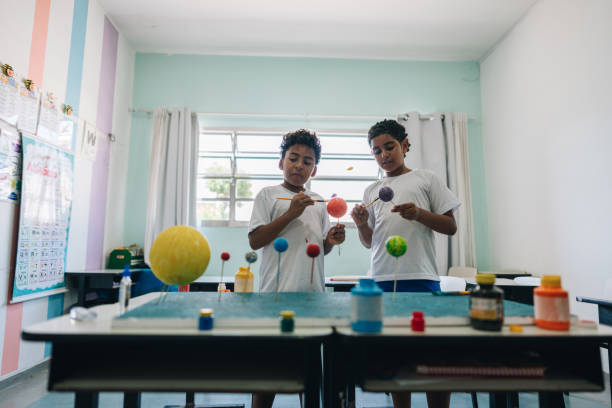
(411, 285)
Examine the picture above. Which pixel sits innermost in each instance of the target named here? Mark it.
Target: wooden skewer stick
(373, 201)
(289, 198)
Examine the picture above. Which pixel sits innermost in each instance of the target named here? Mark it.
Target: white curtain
(462, 251)
(439, 144)
(171, 198)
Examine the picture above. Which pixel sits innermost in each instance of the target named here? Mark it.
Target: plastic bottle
(125, 287)
(366, 307)
(486, 304)
(551, 304)
(243, 280)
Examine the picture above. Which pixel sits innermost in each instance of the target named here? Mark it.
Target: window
(235, 165)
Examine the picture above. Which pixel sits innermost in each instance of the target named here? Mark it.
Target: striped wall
(71, 48)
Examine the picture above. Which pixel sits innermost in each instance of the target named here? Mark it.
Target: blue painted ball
(281, 244)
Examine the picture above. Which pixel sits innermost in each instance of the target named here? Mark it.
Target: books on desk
(480, 371)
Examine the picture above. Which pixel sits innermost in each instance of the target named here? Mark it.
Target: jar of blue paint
(206, 320)
(367, 307)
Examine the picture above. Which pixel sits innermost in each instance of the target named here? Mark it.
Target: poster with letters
(10, 163)
(44, 222)
(89, 142)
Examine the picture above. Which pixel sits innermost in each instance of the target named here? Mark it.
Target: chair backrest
(462, 271)
(608, 290)
(452, 284)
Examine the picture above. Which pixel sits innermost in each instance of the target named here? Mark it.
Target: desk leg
(312, 395)
(86, 400)
(551, 400)
(131, 400)
(81, 291)
(500, 400)
(610, 366)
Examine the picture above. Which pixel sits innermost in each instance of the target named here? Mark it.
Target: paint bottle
(206, 320)
(287, 324)
(417, 323)
(367, 307)
(486, 304)
(551, 304)
(125, 286)
(243, 280)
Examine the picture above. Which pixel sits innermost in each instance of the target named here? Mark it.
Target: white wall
(547, 140)
(119, 155)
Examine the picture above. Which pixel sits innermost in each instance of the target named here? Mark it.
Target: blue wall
(298, 85)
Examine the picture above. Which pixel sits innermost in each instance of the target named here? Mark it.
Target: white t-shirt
(309, 228)
(427, 191)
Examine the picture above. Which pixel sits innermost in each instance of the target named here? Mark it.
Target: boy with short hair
(425, 205)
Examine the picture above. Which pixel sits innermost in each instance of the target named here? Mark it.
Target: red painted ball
(336, 207)
(313, 250)
(225, 256)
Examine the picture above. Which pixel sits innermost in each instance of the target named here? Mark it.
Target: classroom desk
(604, 309)
(106, 279)
(512, 290)
(90, 357)
(140, 355)
(387, 362)
(210, 283)
(508, 274)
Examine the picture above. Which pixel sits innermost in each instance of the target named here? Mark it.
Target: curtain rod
(296, 115)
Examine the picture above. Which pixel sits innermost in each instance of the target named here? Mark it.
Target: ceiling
(438, 30)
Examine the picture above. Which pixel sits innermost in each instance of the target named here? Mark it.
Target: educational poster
(89, 141)
(48, 124)
(27, 106)
(9, 89)
(44, 222)
(10, 164)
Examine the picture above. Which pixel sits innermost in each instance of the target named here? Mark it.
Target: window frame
(234, 177)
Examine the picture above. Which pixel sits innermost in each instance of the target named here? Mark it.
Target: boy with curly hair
(301, 221)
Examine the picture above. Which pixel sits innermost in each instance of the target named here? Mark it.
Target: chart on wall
(44, 221)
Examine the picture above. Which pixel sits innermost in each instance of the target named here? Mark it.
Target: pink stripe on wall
(39, 41)
(10, 354)
(104, 122)
(14, 313)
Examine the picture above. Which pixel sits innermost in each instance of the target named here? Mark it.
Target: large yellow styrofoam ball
(179, 255)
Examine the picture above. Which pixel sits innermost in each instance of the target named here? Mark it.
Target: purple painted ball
(385, 194)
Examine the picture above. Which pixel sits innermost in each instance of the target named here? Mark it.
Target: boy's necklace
(293, 188)
(404, 171)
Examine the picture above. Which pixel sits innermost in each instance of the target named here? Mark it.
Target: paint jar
(206, 320)
(417, 323)
(486, 304)
(243, 280)
(367, 307)
(287, 324)
(551, 304)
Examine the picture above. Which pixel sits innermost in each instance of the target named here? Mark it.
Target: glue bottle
(243, 280)
(551, 304)
(125, 287)
(366, 307)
